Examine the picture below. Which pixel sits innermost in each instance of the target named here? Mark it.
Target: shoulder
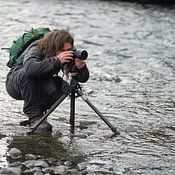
(33, 49)
(32, 52)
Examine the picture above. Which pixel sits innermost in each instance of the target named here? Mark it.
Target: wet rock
(89, 133)
(15, 153)
(117, 79)
(85, 124)
(72, 171)
(29, 163)
(38, 173)
(82, 166)
(30, 157)
(35, 163)
(113, 78)
(28, 171)
(89, 91)
(60, 169)
(51, 160)
(15, 164)
(11, 170)
(81, 136)
(41, 163)
(36, 169)
(104, 171)
(67, 163)
(48, 170)
(98, 162)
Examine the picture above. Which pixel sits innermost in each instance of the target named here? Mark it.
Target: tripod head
(70, 86)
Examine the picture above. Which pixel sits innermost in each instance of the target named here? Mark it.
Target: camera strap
(67, 76)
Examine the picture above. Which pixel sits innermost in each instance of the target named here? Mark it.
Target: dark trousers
(39, 94)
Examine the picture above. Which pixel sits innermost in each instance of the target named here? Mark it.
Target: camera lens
(80, 54)
(84, 55)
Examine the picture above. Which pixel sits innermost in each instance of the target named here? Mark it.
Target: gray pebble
(41, 163)
(15, 153)
(72, 171)
(82, 165)
(30, 157)
(15, 164)
(60, 169)
(48, 170)
(11, 171)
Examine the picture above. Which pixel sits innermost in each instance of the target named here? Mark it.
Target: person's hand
(65, 57)
(79, 63)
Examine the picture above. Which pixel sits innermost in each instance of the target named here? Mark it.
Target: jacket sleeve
(82, 74)
(34, 65)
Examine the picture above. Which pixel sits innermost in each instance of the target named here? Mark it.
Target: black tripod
(72, 89)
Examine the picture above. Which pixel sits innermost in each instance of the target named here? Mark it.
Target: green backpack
(23, 42)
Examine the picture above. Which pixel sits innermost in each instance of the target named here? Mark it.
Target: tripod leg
(97, 112)
(53, 107)
(72, 111)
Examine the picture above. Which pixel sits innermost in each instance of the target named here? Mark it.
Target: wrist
(81, 69)
(58, 59)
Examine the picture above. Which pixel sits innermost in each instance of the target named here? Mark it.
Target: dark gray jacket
(33, 64)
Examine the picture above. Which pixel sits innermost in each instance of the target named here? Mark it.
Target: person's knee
(12, 87)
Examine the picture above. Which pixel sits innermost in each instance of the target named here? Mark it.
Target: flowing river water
(132, 83)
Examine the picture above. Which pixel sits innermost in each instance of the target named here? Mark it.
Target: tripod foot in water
(115, 132)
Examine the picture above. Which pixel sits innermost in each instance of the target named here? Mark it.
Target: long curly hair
(53, 42)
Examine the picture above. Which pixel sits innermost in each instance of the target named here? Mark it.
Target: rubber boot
(44, 127)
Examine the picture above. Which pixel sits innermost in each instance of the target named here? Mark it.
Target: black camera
(82, 55)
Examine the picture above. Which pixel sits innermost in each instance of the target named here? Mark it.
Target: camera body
(82, 55)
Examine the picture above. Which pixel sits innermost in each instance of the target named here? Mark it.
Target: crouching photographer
(35, 79)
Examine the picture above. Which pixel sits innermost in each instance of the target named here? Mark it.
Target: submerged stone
(72, 171)
(11, 170)
(41, 163)
(82, 166)
(35, 163)
(60, 169)
(15, 164)
(15, 153)
(30, 157)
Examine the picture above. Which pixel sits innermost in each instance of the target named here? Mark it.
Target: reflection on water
(45, 147)
(132, 82)
(43, 153)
